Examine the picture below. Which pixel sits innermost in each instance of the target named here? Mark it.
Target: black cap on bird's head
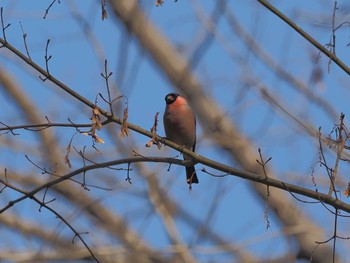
(171, 97)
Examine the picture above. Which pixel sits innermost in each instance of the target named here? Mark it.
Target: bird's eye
(170, 98)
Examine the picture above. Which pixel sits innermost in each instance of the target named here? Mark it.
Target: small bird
(180, 127)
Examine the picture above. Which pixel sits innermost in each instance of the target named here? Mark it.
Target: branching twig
(25, 41)
(3, 25)
(8, 129)
(128, 179)
(197, 158)
(47, 58)
(334, 237)
(57, 214)
(334, 202)
(106, 75)
(45, 171)
(309, 38)
(262, 162)
(46, 202)
(47, 10)
(154, 139)
(109, 117)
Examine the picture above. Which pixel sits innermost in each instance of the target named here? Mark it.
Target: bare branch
(309, 38)
(47, 9)
(25, 40)
(3, 25)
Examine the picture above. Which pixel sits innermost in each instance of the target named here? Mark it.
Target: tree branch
(308, 37)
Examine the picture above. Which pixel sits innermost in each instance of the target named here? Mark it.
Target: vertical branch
(47, 58)
(335, 232)
(106, 76)
(332, 40)
(323, 162)
(104, 11)
(2, 24)
(128, 179)
(340, 145)
(6, 180)
(25, 41)
(333, 27)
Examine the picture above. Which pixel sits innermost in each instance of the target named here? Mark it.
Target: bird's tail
(191, 175)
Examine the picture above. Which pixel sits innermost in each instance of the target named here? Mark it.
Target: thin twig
(47, 9)
(309, 38)
(323, 162)
(42, 126)
(154, 139)
(332, 40)
(104, 11)
(106, 75)
(47, 58)
(335, 233)
(263, 165)
(3, 25)
(25, 41)
(340, 144)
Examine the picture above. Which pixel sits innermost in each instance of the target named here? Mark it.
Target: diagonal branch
(262, 179)
(308, 37)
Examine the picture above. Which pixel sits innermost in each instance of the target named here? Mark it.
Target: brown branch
(2, 24)
(308, 37)
(46, 75)
(154, 139)
(58, 215)
(336, 203)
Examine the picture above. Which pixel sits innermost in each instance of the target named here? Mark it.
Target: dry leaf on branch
(154, 139)
(124, 131)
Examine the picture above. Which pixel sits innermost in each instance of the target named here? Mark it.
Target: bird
(180, 127)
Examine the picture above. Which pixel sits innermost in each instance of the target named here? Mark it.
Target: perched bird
(180, 127)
